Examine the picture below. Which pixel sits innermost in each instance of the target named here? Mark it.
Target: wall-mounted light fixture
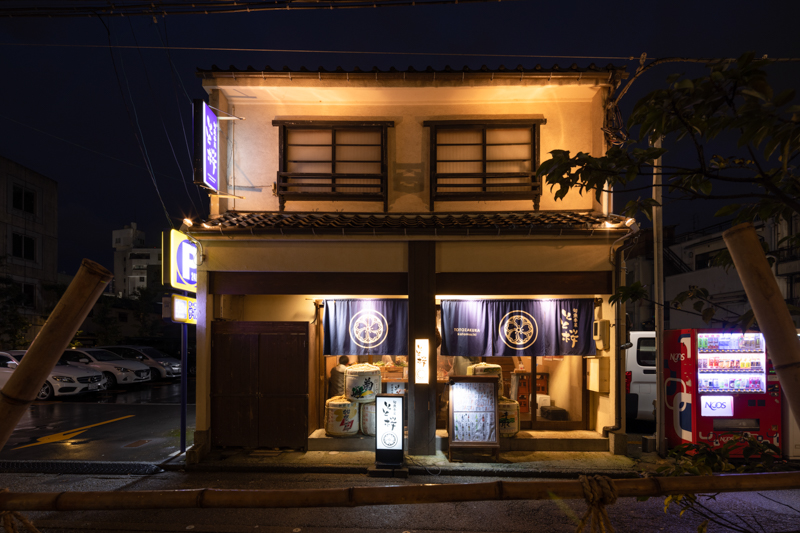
(421, 359)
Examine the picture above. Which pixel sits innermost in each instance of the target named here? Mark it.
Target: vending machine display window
(731, 362)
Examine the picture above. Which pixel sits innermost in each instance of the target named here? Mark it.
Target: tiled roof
(522, 223)
(233, 71)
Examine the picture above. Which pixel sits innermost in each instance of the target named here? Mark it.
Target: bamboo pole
(26, 381)
(394, 495)
(769, 309)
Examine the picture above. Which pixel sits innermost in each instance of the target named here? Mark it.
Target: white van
(640, 376)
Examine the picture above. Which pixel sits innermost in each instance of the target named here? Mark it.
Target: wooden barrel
(508, 417)
(362, 383)
(367, 418)
(341, 417)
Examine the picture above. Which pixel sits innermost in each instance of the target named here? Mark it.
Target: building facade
(414, 186)
(29, 237)
(136, 266)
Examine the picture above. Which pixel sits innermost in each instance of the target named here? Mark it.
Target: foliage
(75, 343)
(703, 460)
(733, 99)
(145, 299)
(734, 106)
(108, 331)
(13, 324)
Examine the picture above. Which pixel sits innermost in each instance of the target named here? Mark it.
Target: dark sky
(65, 116)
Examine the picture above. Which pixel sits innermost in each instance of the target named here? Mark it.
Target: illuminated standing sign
(179, 268)
(389, 429)
(421, 371)
(184, 309)
(716, 405)
(206, 146)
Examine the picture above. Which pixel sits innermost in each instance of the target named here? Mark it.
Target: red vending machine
(719, 386)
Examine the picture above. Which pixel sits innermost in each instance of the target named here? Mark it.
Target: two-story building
(410, 185)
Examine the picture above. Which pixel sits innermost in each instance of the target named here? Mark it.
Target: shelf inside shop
(746, 391)
(737, 350)
(754, 371)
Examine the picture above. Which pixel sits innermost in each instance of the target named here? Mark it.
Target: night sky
(69, 114)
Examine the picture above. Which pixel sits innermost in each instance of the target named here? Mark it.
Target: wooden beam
(384, 283)
(523, 283)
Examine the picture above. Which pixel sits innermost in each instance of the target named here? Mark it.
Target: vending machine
(719, 386)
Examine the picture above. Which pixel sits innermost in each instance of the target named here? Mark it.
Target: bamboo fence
(390, 495)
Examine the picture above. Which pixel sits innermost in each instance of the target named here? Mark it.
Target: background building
(29, 237)
(136, 266)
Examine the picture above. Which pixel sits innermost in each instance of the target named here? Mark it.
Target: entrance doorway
(259, 384)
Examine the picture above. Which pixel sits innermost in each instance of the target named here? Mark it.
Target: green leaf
(754, 93)
(708, 314)
(728, 210)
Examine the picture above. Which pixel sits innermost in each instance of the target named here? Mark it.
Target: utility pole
(658, 296)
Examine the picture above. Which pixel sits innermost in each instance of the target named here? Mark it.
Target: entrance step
(524, 441)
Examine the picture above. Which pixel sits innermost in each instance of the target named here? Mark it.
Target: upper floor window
(23, 247)
(332, 161)
(23, 199)
(484, 160)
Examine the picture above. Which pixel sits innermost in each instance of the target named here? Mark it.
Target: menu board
(473, 412)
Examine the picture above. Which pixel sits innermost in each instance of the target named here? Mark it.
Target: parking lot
(138, 422)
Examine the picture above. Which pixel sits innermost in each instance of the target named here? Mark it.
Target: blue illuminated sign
(206, 148)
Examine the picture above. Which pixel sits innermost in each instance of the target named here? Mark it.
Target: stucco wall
(574, 118)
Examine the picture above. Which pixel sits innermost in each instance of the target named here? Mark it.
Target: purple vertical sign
(206, 146)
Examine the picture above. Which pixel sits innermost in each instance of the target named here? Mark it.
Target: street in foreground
(773, 511)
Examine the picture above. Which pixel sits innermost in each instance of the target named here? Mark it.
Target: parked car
(64, 379)
(116, 369)
(161, 365)
(640, 376)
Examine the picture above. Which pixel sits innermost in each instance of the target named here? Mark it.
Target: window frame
(641, 359)
(285, 178)
(535, 192)
(33, 247)
(25, 191)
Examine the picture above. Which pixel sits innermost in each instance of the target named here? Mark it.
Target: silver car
(64, 379)
(116, 369)
(161, 365)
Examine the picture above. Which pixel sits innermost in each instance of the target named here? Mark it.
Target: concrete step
(524, 441)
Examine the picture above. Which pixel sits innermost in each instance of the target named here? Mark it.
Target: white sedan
(115, 369)
(64, 379)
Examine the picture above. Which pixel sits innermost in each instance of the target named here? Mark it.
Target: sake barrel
(362, 383)
(367, 418)
(508, 414)
(487, 369)
(341, 417)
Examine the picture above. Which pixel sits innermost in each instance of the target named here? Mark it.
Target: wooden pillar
(422, 325)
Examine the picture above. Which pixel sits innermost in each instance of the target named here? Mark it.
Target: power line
(62, 139)
(152, 9)
(135, 127)
(385, 53)
(161, 117)
(352, 52)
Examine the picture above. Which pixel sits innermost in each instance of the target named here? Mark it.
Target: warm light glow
(608, 224)
(206, 226)
(421, 372)
(188, 222)
(629, 221)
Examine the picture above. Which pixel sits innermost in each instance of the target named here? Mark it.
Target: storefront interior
(557, 382)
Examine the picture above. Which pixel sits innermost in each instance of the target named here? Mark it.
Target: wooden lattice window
(332, 161)
(487, 160)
